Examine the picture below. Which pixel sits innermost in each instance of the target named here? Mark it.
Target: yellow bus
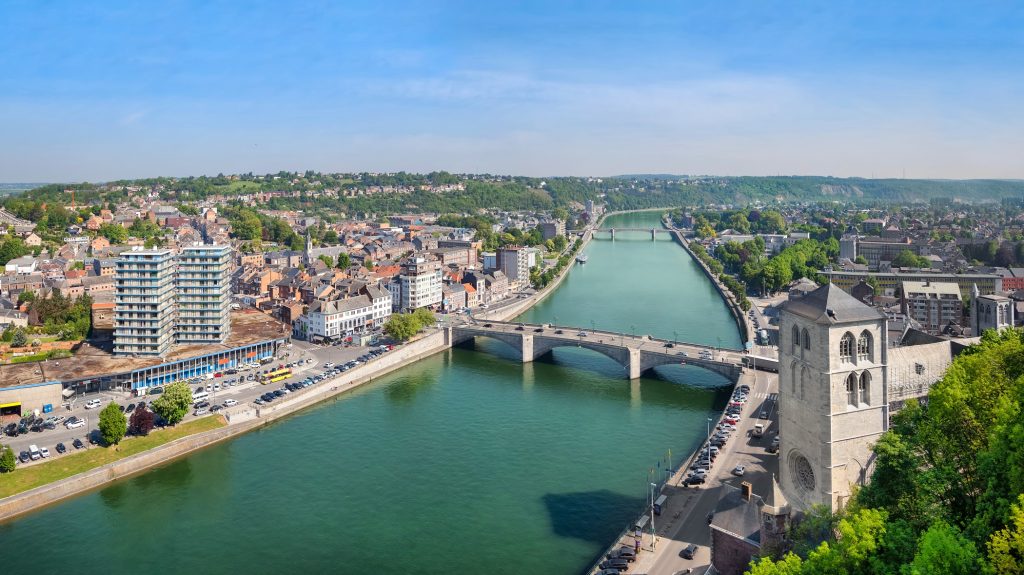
(277, 375)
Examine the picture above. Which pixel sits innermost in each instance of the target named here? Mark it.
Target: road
(242, 393)
(684, 519)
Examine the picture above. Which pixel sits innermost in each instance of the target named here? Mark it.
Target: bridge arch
(543, 345)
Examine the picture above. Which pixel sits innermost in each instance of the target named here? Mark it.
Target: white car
(74, 422)
(230, 402)
(93, 404)
(199, 412)
(739, 470)
(45, 452)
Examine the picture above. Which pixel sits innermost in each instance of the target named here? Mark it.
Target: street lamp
(592, 326)
(654, 532)
(675, 341)
(632, 328)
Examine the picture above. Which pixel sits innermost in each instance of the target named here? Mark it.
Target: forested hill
(445, 192)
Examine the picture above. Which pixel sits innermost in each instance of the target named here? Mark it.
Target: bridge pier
(527, 348)
(635, 368)
(613, 233)
(653, 231)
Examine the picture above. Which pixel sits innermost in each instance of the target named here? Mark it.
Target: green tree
(401, 327)
(174, 403)
(906, 259)
(423, 318)
(20, 338)
(739, 223)
(368, 264)
(26, 296)
(943, 551)
(860, 260)
(11, 248)
(560, 214)
(113, 424)
(560, 243)
(1006, 547)
(116, 233)
(7, 462)
(344, 261)
(330, 237)
(328, 260)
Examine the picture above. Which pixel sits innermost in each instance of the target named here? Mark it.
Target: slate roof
(737, 516)
(831, 305)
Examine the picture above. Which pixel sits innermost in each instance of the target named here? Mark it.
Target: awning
(13, 404)
(67, 393)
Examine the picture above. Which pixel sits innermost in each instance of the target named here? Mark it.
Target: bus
(277, 375)
(761, 363)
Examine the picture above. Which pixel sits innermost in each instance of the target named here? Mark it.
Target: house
(21, 266)
(98, 244)
(744, 524)
(93, 223)
(10, 317)
(32, 240)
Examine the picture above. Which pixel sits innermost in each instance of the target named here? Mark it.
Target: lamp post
(654, 532)
(632, 328)
(593, 327)
(675, 339)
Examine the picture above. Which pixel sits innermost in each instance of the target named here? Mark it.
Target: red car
(218, 374)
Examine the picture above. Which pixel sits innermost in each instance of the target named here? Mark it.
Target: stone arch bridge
(636, 353)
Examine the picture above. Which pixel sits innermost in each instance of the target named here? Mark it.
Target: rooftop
(830, 304)
(94, 358)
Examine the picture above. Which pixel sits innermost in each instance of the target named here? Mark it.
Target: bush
(7, 462)
(20, 338)
(141, 422)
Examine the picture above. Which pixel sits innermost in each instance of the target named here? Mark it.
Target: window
(864, 346)
(865, 386)
(796, 339)
(796, 374)
(807, 340)
(846, 348)
(851, 389)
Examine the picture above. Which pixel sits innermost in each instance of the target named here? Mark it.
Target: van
(200, 396)
(658, 503)
(33, 453)
(758, 430)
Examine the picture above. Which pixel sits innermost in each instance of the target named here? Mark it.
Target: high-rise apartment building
(163, 299)
(419, 285)
(203, 294)
(513, 261)
(144, 312)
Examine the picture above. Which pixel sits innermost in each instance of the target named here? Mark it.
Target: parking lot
(52, 430)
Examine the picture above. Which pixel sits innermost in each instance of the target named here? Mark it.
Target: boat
(582, 258)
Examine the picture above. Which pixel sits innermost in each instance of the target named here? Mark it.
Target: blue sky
(116, 89)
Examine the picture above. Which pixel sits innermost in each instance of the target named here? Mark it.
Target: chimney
(746, 488)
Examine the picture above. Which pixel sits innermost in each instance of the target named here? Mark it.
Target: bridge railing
(573, 330)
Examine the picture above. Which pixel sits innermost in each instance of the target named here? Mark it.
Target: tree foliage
(141, 421)
(403, 326)
(113, 424)
(174, 403)
(7, 461)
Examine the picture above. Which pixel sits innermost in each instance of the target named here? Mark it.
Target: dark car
(23, 426)
(77, 443)
(609, 572)
(623, 552)
(689, 551)
(24, 457)
(37, 426)
(616, 563)
(131, 407)
(695, 480)
(11, 429)
(278, 393)
(61, 449)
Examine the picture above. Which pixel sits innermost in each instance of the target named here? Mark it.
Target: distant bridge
(636, 353)
(653, 231)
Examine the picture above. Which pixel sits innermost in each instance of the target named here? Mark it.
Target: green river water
(466, 462)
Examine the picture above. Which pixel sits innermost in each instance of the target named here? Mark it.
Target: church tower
(833, 401)
(308, 255)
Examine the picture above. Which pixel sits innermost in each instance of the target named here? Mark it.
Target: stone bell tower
(832, 395)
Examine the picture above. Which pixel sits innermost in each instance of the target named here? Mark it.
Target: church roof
(775, 500)
(738, 516)
(830, 305)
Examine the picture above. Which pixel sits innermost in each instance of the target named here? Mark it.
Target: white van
(200, 396)
(33, 453)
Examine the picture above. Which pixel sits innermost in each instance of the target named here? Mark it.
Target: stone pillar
(613, 233)
(526, 343)
(653, 231)
(634, 363)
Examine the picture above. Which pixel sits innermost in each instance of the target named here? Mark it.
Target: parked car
(11, 429)
(77, 443)
(61, 448)
(230, 402)
(623, 552)
(689, 551)
(616, 563)
(93, 404)
(201, 411)
(45, 452)
(695, 480)
(24, 457)
(739, 470)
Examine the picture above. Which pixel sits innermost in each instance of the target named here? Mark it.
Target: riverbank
(245, 418)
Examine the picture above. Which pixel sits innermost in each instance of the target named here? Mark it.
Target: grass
(64, 466)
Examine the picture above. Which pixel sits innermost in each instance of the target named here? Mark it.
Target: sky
(109, 90)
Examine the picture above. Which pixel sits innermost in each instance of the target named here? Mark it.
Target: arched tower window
(807, 340)
(796, 339)
(851, 389)
(864, 346)
(846, 348)
(865, 388)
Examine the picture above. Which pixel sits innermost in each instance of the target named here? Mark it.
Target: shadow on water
(593, 516)
(408, 387)
(176, 474)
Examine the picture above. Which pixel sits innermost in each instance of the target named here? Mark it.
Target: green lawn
(63, 466)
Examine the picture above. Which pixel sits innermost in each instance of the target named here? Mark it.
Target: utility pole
(654, 532)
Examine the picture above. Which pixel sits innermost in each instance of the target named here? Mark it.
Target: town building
(990, 312)
(932, 304)
(145, 312)
(203, 294)
(551, 229)
(418, 285)
(513, 261)
(890, 282)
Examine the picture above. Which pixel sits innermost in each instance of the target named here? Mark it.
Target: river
(466, 462)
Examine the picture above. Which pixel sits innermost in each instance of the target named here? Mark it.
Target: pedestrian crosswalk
(767, 396)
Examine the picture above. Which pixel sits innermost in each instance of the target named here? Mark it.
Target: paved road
(242, 393)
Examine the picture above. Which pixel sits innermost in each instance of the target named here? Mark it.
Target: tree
(401, 326)
(368, 264)
(174, 403)
(560, 214)
(906, 259)
(343, 261)
(26, 296)
(860, 260)
(560, 243)
(943, 551)
(328, 260)
(330, 237)
(116, 233)
(1006, 547)
(20, 338)
(141, 422)
(7, 462)
(113, 424)
(423, 318)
